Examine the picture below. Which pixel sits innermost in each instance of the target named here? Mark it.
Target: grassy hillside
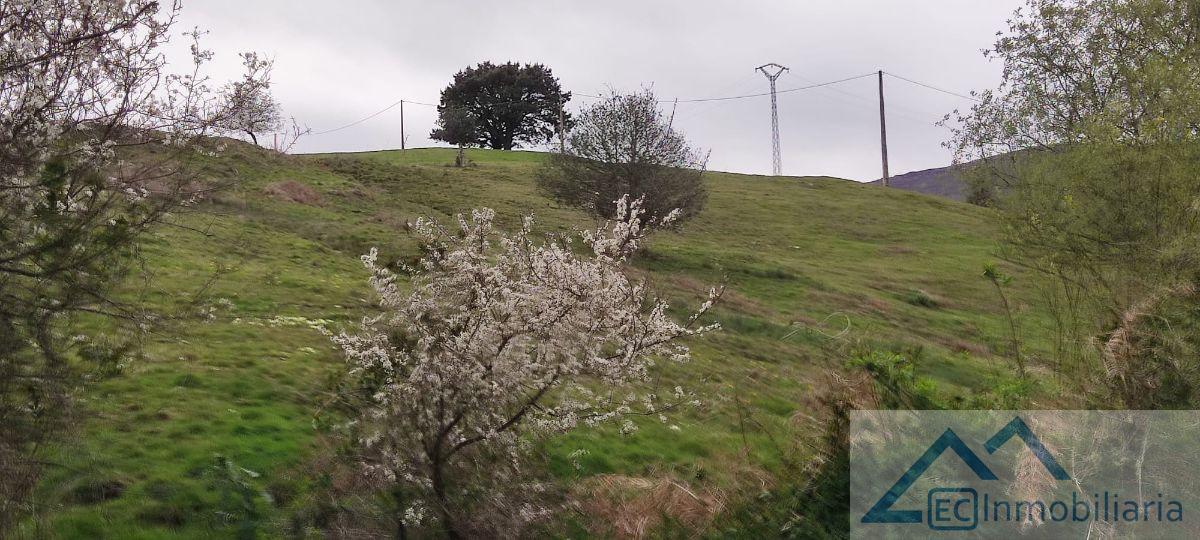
(816, 267)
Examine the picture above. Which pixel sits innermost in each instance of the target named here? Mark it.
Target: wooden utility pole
(402, 124)
(883, 130)
(562, 130)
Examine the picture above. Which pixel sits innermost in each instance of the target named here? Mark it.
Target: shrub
(499, 342)
(919, 298)
(626, 145)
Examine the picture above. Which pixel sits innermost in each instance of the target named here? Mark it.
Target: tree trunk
(439, 491)
(401, 531)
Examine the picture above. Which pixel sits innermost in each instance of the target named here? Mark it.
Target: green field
(815, 267)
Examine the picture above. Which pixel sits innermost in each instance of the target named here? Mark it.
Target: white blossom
(501, 339)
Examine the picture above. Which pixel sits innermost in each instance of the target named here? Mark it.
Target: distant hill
(941, 181)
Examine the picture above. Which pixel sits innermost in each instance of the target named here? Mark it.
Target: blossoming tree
(502, 340)
(255, 109)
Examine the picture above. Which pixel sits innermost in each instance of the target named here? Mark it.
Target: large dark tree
(511, 104)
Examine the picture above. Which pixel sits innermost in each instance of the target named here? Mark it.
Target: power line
(361, 120)
(786, 90)
(372, 115)
(932, 87)
(393, 105)
(894, 109)
(746, 96)
(744, 85)
(695, 100)
(796, 89)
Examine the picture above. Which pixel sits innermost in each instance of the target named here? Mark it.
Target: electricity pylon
(772, 72)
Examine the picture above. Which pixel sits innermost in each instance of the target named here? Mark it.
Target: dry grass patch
(294, 192)
(633, 507)
(623, 506)
(897, 249)
(964, 346)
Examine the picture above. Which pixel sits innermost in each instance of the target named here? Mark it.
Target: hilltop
(817, 268)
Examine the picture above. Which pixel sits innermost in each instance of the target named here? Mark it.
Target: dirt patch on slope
(294, 192)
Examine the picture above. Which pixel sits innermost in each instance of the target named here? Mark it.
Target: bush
(919, 298)
(458, 374)
(626, 145)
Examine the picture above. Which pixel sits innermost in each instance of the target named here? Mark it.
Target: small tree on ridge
(625, 144)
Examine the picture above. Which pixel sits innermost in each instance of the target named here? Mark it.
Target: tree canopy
(511, 104)
(1090, 148)
(256, 111)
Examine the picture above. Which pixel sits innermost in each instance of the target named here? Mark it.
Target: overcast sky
(337, 62)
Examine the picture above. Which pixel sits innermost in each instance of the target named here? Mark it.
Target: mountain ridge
(939, 181)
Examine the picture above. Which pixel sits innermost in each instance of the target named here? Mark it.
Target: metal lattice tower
(772, 72)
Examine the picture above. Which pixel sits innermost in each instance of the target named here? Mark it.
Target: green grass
(811, 263)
